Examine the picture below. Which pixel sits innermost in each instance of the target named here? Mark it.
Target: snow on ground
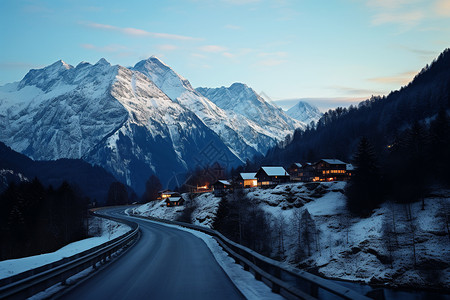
(109, 230)
(204, 209)
(357, 249)
(342, 246)
(243, 280)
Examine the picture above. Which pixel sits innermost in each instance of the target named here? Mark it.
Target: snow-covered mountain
(108, 115)
(244, 101)
(244, 135)
(304, 112)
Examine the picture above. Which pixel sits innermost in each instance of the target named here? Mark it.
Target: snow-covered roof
(247, 176)
(350, 167)
(225, 182)
(298, 165)
(275, 171)
(334, 161)
(173, 199)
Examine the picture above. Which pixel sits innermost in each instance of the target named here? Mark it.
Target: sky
(332, 53)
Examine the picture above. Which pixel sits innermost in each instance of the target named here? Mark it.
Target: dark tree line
(379, 119)
(416, 159)
(35, 220)
(242, 221)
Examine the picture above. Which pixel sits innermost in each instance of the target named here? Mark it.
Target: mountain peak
(238, 85)
(59, 64)
(304, 112)
(103, 62)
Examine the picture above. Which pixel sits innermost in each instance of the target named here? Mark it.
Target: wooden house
(247, 180)
(221, 185)
(295, 170)
(174, 201)
(330, 170)
(271, 176)
(307, 172)
(166, 194)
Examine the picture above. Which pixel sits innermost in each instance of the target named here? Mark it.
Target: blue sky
(330, 52)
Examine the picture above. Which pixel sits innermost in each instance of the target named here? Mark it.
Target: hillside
(380, 119)
(93, 181)
(330, 241)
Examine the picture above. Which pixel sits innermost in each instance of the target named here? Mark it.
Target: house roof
(275, 171)
(298, 165)
(173, 199)
(350, 167)
(333, 161)
(225, 182)
(246, 176)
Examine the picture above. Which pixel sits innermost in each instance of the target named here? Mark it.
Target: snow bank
(109, 231)
(358, 249)
(204, 209)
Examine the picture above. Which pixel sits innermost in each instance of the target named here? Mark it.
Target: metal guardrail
(29, 283)
(289, 282)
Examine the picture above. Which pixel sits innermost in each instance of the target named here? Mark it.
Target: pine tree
(363, 191)
(152, 187)
(117, 194)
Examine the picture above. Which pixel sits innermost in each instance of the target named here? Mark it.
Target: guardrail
(289, 282)
(31, 282)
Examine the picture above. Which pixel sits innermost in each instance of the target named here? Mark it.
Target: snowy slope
(355, 249)
(244, 101)
(342, 246)
(242, 135)
(109, 230)
(108, 115)
(304, 112)
(204, 209)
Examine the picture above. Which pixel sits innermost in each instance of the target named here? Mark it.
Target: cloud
(356, 91)
(388, 4)
(405, 18)
(399, 79)
(442, 7)
(228, 54)
(212, 48)
(420, 51)
(140, 32)
(167, 47)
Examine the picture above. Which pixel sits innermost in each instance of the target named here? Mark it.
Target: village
(324, 170)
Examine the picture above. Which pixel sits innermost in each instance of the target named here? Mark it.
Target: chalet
(307, 173)
(330, 170)
(294, 170)
(202, 188)
(166, 194)
(247, 180)
(220, 185)
(350, 170)
(174, 201)
(271, 176)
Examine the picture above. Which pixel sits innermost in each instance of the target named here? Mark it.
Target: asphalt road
(166, 263)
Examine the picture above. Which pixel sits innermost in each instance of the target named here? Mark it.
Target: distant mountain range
(136, 121)
(304, 112)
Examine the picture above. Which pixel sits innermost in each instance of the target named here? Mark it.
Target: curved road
(166, 263)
